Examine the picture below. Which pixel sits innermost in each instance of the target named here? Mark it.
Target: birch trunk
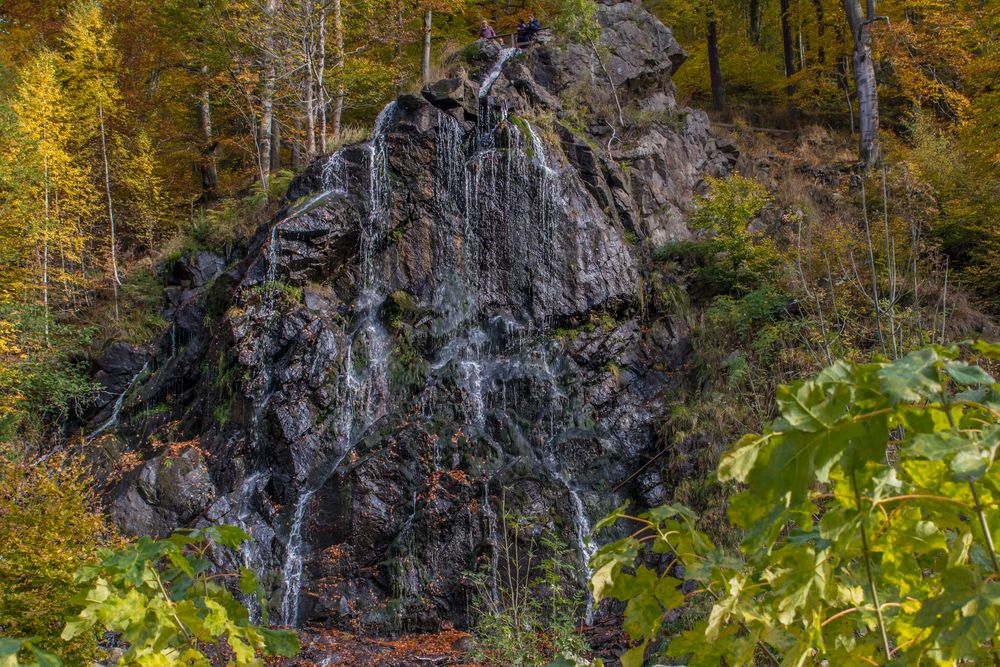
(207, 168)
(115, 280)
(45, 252)
(308, 85)
(338, 42)
(864, 80)
(320, 74)
(425, 61)
(267, 97)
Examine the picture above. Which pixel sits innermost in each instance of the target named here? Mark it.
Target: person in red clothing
(486, 31)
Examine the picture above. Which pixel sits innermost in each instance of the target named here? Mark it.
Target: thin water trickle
(116, 409)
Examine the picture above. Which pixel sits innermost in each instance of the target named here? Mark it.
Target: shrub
(170, 607)
(731, 259)
(871, 512)
(49, 527)
(527, 609)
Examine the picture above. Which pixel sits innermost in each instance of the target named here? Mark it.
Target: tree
(141, 185)
(92, 61)
(51, 192)
(870, 511)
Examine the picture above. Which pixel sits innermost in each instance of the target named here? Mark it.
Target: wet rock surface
(441, 324)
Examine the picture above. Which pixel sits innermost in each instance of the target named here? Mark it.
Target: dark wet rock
(197, 268)
(439, 324)
(117, 367)
(164, 493)
(453, 94)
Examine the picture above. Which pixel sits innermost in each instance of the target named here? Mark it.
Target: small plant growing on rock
(527, 609)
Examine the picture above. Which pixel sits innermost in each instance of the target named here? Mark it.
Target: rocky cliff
(442, 321)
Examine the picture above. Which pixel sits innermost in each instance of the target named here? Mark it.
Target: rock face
(442, 324)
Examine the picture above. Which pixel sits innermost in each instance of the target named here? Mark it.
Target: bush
(49, 527)
(527, 609)
(169, 606)
(39, 379)
(870, 512)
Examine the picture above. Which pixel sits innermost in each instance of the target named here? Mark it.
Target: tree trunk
(320, 74)
(820, 31)
(275, 157)
(786, 39)
(756, 11)
(864, 81)
(425, 62)
(45, 261)
(297, 144)
(715, 67)
(207, 168)
(267, 97)
(308, 84)
(338, 43)
(115, 280)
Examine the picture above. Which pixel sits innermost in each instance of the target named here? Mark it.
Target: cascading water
(496, 208)
(488, 120)
(585, 546)
(364, 389)
(116, 409)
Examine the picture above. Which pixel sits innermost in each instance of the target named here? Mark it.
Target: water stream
(116, 410)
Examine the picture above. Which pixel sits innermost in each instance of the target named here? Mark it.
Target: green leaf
(230, 536)
(44, 658)
(938, 446)
(642, 616)
(283, 643)
(991, 350)
(968, 375)
(635, 656)
(737, 463)
(248, 581)
(913, 378)
(9, 649)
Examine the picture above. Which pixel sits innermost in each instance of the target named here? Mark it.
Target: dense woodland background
(133, 132)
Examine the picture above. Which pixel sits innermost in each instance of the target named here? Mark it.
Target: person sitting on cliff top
(534, 25)
(486, 31)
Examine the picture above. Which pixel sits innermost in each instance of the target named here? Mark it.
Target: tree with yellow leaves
(90, 68)
(51, 194)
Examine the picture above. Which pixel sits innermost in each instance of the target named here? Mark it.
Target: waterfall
(494, 73)
(251, 553)
(364, 391)
(495, 194)
(581, 524)
(116, 410)
(485, 124)
(293, 568)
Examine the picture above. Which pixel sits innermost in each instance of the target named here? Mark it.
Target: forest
(346, 333)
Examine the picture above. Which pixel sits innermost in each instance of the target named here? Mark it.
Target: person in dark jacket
(486, 31)
(534, 25)
(523, 33)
